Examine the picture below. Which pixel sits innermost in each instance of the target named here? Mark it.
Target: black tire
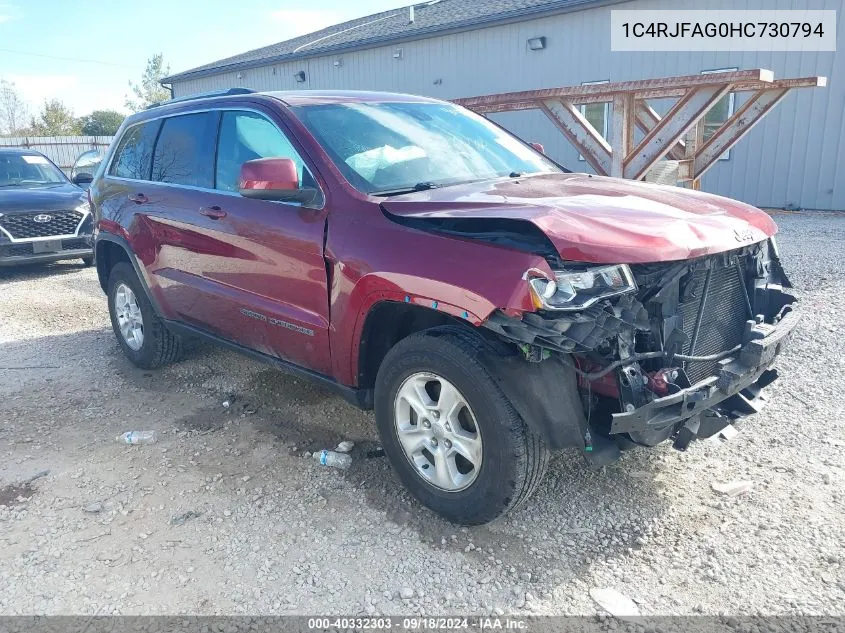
(88, 261)
(160, 346)
(513, 460)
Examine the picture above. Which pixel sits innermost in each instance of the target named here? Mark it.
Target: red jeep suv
(490, 305)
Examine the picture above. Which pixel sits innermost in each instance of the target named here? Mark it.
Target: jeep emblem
(744, 235)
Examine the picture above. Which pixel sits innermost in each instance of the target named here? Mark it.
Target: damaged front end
(667, 350)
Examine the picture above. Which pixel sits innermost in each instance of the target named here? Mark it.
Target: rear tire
(88, 261)
(145, 340)
(512, 459)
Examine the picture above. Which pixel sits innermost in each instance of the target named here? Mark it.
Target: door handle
(138, 198)
(215, 212)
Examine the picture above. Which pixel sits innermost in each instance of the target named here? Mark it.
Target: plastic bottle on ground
(333, 459)
(135, 438)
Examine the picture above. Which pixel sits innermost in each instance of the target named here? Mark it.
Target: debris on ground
(615, 603)
(182, 518)
(727, 433)
(732, 488)
(345, 447)
(333, 459)
(37, 475)
(138, 438)
(93, 508)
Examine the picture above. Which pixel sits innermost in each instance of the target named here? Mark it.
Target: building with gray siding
(795, 158)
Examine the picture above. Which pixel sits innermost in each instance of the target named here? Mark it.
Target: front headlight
(581, 289)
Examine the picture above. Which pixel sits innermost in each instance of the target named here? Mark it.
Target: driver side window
(246, 136)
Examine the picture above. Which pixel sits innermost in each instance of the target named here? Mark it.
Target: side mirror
(539, 147)
(273, 179)
(82, 178)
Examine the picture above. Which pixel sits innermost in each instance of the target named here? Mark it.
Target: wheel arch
(109, 249)
(387, 322)
(107, 253)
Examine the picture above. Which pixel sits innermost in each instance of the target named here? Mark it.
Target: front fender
(471, 305)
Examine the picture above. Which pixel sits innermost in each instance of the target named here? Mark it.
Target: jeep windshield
(392, 148)
(28, 170)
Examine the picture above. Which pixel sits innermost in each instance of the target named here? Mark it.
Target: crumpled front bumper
(744, 374)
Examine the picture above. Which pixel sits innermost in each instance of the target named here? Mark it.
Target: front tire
(88, 261)
(141, 334)
(451, 435)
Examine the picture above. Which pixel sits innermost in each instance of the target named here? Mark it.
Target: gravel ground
(225, 514)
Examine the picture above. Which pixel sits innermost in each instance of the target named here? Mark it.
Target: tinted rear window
(135, 152)
(184, 153)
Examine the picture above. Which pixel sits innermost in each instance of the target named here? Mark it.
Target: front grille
(23, 226)
(73, 245)
(724, 313)
(16, 250)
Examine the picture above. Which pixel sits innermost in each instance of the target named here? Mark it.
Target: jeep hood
(596, 219)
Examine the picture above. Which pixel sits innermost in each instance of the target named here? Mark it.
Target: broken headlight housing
(576, 290)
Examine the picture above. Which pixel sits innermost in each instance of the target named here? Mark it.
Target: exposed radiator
(723, 315)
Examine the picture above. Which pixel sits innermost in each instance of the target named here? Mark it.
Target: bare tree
(13, 110)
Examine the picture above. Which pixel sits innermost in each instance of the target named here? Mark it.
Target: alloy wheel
(438, 431)
(129, 317)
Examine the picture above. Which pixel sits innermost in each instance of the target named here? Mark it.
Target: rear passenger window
(184, 153)
(246, 136)
(135, 152)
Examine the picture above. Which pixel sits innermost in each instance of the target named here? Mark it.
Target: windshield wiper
(11, 184)
(420, 186)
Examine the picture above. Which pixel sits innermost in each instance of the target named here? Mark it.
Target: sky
(85, 52)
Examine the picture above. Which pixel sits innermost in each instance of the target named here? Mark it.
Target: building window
(598, 114)
(719, 113)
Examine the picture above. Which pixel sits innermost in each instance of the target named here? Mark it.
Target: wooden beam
(621, 132)
(647, 119)
(569, 120)
(672, 127)
(603, 93)
(732, 131)
(692, 142)
(663, 136)
(571, 93)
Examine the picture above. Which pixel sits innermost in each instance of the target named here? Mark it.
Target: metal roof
(430, 17)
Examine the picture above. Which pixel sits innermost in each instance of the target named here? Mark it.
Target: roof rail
(203, 95)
